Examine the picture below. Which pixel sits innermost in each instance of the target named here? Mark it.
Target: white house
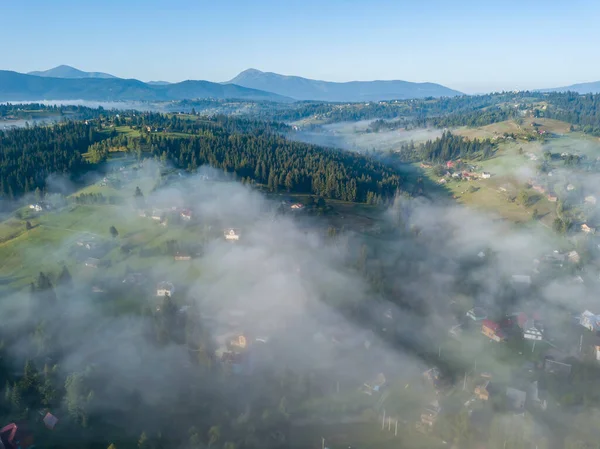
(530, 332)
(486, 175)
(590, 199)
(165, 289)
(36, 207)
(521, 279)
(477, 314)
(231, 234)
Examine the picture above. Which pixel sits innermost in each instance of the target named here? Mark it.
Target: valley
(400, 255)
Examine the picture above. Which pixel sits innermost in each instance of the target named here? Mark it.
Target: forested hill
(248, 149)
(29, 155)
(252, 150)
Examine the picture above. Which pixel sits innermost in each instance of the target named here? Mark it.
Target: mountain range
(24, 87)
(68, 83)
(581, 88)
(353, 91)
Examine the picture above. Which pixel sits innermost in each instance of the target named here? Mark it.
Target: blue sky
(468, 45)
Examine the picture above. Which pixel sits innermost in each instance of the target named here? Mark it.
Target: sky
(472, 46)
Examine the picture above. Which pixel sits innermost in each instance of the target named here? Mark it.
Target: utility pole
(465, 382)
(440, 351)
(580, 343)
(396, 431)
(533, 348)
(389, 424)
(383, 420)
(322, 443)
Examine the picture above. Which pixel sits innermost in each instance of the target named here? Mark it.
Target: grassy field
(512, 166)
(523, 129)
(360, 435)
(52, 242)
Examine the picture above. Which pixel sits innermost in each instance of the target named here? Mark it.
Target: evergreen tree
(64, 278)
(143, 442)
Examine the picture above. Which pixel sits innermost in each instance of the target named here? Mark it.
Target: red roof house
(492, 330)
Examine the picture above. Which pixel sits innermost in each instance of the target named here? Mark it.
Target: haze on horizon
(468, 45)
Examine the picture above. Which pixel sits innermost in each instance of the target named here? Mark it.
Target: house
(456, 175)
(486, 175)
(165, 288)
(374, 385)
(156, 214)
(516, 398)
(521, 279)
(492, 330)
(449, 164)
(477, 314)
(92, 263)
(36, 207)
(134, 278)
(88, 243)
(430, 413)
(186, 214)
(297, 206)
(574, 257)
(455, 331)
(590, 199)
(180, 256)
(231, 234)
(531, 332)
(239, 342)
(50, 421)
(590, 321)
(482, 392)
(538, 188)
(570, 187)
(585, 228)
(442, 181)
(552, 198)
(555, 257)
(432, 375)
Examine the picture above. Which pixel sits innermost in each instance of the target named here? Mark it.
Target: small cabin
(232, 234)
(165, 289)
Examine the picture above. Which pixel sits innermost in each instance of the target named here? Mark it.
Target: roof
(165, 285)
(50, 420)
(491, 325)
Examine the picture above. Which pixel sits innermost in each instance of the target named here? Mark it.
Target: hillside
(308, 89)
(66, 71)
(581, 88)
(21, 87)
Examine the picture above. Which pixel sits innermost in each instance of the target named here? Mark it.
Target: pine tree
(64, 278)
(143, 442)
(7, 392)
(16, 398)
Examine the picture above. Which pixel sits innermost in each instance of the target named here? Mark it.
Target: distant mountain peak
(67, 71)
(354, 91)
